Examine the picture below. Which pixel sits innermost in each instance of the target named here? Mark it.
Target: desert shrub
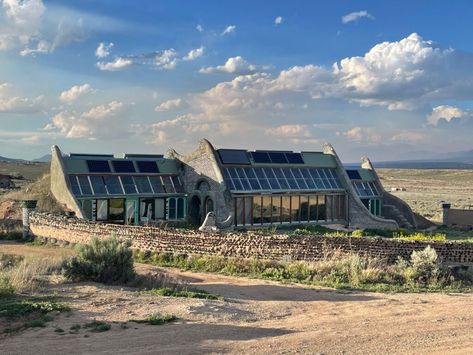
(156, 319)
(298, 270)
(107, 261)
(97, 326)
(425, 268)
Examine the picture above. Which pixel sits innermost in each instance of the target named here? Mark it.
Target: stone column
(445, 213)
(28, 206)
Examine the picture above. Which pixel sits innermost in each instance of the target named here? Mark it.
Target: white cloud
(355, 16)
(12, 103)
(20, 23)
(115, 65)
(232, 65)
(75, 92)
(166, 59)
(194, 54)
(103, 50)
(289, 130)
(278, 20)
(362, 135)
(41, 48)
(228, 30)
(94, 123)
(447, 113)
(410, 137)
(170, 105)
(199, 28)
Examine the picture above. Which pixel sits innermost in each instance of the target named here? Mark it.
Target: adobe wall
(459, 218)
(71, 230)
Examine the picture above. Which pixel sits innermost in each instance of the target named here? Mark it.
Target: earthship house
(245, 189)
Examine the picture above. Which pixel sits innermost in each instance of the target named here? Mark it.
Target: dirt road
(255, 317)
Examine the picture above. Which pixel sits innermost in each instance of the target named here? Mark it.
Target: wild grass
(170, 292)
(422, 272)
(156, 319)
(97, 326)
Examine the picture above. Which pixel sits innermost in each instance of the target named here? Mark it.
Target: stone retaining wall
(73, 231)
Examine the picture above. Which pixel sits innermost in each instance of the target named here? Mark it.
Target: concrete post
(28, 206)
(445, 213)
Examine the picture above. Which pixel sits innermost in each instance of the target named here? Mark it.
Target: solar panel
(123, 166)
(98, 166)
(233, 156)
(281, 179)
(278, 158)
(147, 166)
(294, 158)
(260, 157)
(353, 174)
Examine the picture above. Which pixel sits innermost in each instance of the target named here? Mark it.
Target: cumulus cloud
(355, 16)
(166, 59)
(170, 105)
(199, 28)
(103, 50)
(75, 92)
(228, 30)
(362, 135)
(448, 114)
(119, 63)
(194, 53)
(232, 65)
(278, 20)
(90, 124)
(12, 103)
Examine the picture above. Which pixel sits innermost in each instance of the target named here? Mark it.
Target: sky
(387, 79)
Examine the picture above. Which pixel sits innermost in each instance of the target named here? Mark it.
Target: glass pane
(266, 209)
(238, 185)
(239, 213)
(321, 210)
(156, 184)
(246, 184)
(257, 210)
(172, 208)
(313, 207)
(248, 210)
(176, 180)
(113, 185)
(254, 184)
(87, 209)
(295, 209)
(117, 209)
(74, 185)
(241, 173)
(286, 208)
(304, 208)
(142, 184)
(233, 172)
(98, 185)
(128, 184)
(250, 173)
(159, 208)
(180, 208)
(146, 209)
(130, 212)
(168, 187)
(329, 207)
(102, 210)
(276, 208)
(84, 185)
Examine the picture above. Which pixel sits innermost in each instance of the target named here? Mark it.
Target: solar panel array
(242, 157)
(353, 174)
(246, 179)
(90, 185)
(122, 166)
(365, 188)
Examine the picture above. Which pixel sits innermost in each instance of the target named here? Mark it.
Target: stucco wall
(73, 230)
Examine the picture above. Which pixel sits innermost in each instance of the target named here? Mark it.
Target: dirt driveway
(255, 317)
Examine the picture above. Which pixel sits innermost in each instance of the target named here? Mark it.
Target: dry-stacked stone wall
(64, 230)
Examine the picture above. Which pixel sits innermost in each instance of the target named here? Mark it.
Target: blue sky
(387, 79)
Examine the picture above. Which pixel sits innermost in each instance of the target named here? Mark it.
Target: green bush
(108, 261)
(425, 267)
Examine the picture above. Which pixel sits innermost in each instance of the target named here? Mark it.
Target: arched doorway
(194, 210)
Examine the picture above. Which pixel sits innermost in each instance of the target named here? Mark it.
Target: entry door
(131, 211)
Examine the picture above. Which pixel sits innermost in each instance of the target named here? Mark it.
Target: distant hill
(44, 159)
(11, 160)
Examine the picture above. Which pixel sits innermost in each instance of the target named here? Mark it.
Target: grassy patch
(14, 307)
(97, 326)
(156, 319)
(169, 292)
(422, 272)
